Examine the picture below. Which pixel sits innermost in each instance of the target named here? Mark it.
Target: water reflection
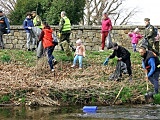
(76, 113)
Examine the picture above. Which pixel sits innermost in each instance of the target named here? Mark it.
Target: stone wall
(90, 35)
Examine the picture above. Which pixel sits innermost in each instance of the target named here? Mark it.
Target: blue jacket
(151, 63)
(27, 23)
(4, 26)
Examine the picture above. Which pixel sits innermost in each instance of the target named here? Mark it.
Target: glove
(29, 27)
(106, 62)
(8, 31)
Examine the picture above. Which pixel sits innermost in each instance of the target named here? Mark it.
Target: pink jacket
(135, 37)
(106, 25)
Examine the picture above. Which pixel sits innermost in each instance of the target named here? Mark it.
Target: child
(79, 54)
(27, 25)
(46, 37)
(135, 37)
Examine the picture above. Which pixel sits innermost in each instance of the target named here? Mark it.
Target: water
(76, 113)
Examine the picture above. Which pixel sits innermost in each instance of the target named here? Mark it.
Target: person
(156, 43)
(135, 37)
(79, 53)
(149, 35)
(47, 41)
(150, 64)
(106, 27)
(64, 33)
(36, 19)
(123, 55)
(27, 25)
(4, 27)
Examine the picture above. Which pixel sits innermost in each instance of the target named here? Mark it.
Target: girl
(135, 37)
(79, 54)
(47, 41)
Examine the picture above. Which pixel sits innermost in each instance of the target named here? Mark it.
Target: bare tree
(115, 9)
(7, 5)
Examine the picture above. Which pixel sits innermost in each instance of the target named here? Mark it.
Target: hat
(136, 30)
(33, 12)
(115, 44)
(104, 12)
(79, 41)
(146, 19)
(143, 46)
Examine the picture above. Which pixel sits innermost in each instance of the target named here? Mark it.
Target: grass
(29, 59)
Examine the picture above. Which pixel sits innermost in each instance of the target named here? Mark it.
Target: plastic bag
(109, 43)
(55, 40)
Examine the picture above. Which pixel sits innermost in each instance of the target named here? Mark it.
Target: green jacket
(64, 25)
(149, 32)
(37, 21)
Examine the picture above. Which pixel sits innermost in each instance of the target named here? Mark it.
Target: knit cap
(79, 41)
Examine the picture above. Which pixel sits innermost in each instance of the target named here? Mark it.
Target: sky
(148, 9)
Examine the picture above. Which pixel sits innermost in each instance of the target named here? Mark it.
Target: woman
(47, 41)
(105, 28)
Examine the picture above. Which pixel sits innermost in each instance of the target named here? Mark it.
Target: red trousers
(103, 37)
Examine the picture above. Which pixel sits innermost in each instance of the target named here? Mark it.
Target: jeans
(50, 57)
(134, 47)
(79, 58)
(30, 41)
(1, 40)
(154, 80)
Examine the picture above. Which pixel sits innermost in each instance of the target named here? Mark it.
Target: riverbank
(28, 81)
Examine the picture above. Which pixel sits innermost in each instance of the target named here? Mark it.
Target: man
(4, 27)
(65, 31)
(149, 35)
(151, 64)
(36, 19)
(123, 55)
(27, 25)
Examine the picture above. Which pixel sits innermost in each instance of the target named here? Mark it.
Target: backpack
(55, 40)
(155, 33)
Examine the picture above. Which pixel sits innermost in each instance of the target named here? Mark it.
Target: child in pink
(135, 37)
(79, 54)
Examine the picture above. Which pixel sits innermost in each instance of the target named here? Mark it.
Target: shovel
(148, 95)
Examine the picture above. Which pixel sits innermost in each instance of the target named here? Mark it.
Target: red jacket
(46, 37)
(106, 25)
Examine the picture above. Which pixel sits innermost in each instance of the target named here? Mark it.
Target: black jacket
(121, 52)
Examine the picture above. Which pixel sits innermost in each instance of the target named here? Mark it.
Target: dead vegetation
(38, 86)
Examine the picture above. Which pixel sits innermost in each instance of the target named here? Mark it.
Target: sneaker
(52, 70)
(80, 68)
(54, 61)
(73, 66)
(28, 49)
(33, 49)
(101, 50)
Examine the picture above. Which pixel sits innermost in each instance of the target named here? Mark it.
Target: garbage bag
(120, 68)
(40, 49)
(109, 43)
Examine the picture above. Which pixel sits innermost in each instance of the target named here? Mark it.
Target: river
(76, 113)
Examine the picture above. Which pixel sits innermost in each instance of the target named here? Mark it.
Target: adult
(4, 27)
(149, 35)
(47, 41)
(150, 63)
(156, 43)
(123, 55)
(36, 19)
(27, 25)
(65, 31)
(105, 29)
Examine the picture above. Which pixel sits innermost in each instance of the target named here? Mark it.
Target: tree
(7, 5)
(73, 8)
(115, 9)
(23, 6)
